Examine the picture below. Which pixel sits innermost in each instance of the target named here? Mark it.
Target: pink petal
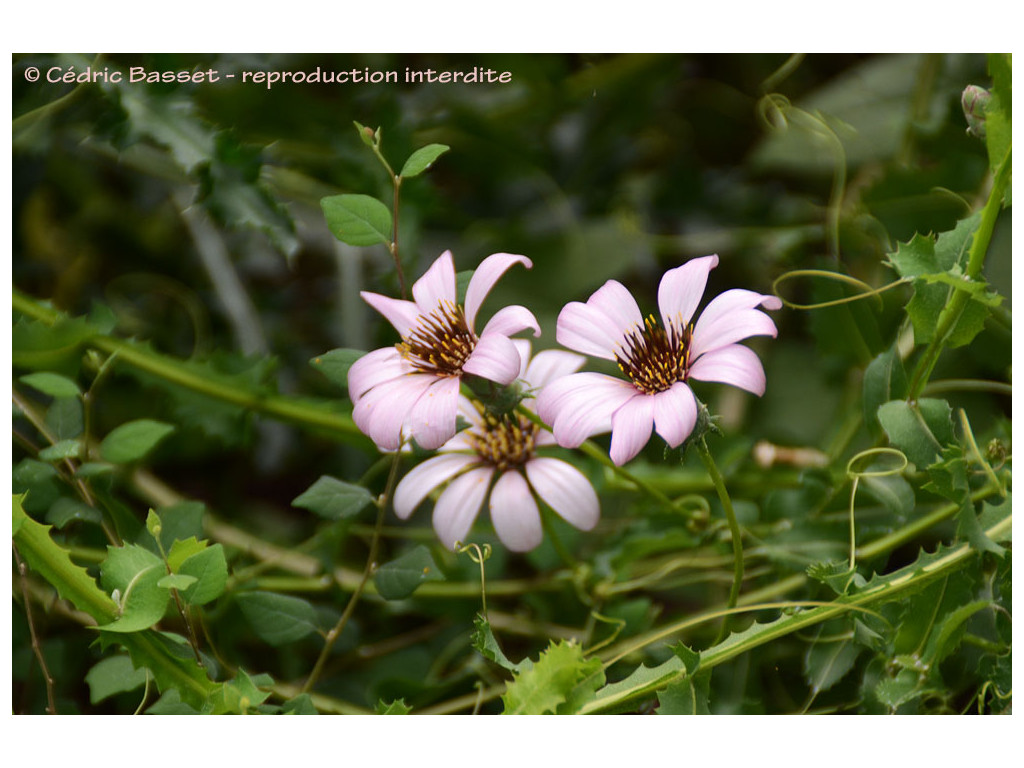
(675, 413)
(631, 428)
(425, 477)
(615, 302)
(484, 278)
(510, 320)
(458, 505)
(732, 317)
(735, 364)
(514, 513)
(432, 420)
(549, 365)
(681, 289)
(494, 358)
(581, 404)
(436, 285)
(566, 490)
(404, 315)
(381, 412)
(375, 368)
(586, 329)
(523, 347)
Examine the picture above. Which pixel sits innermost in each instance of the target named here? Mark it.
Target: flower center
(504, 441)
(655, 358)
(441, 342)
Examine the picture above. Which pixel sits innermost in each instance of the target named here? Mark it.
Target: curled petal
(432, 420)
(436, 285)
(425, 477)
(458, 505)
(404, 315)
(523, 347)
(681, 288)
(510, 320)
(484, 278)
(581, 404)
(735, 364)
(586, 329)
(566, 490)
(730, 317)
(675, 413)
(494, 358)
(375, 368)
(382, 411)
(514, 513)
(631, 428)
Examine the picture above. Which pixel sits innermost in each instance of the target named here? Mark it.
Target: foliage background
(188, 216)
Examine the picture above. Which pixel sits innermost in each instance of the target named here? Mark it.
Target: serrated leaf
(399, 578)
(920, 429)
(422, 159)
(690, 658)
(486, 644)
(52, 384)
(113, 675)
(209, 568)
(357, 219)
(170, 703)
(836, 575)
(968, 528)
(278, 619)
(552, 682)
(688, 696)
(132, 441)
(334, 499)
(241, 695)
(135, 573)
(396, 707)
(300, 705)
(335, 364)
(896, 691)
(182, 549)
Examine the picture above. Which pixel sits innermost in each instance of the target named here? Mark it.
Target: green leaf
(837, 576)
(891, 491)
(825, 664)
(241, 695)
(884, 380)
(170, 703)
(334, 499)
(183, 549)
(920, 430)
(400, 578)
(176, 581)
(36, 345)
(112, 675)
(335, 364)
(65, 449)
(357, 219)
(486, 644)
(132, 441)
(135, 573)
(968, 527)
(278, 619)
(65, 417)
(690, 658)
(209, 568)
(688, 696)
(422, 159)
(998, 115)
(396, 707)
(896, 691)
(561, 681)
(67, 510)
(52, 384)
(300, 705)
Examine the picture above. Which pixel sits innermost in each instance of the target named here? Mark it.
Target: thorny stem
(371, 559)
(734, 529)
(51, 699)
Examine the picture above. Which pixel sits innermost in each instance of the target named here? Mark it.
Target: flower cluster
(411, 391)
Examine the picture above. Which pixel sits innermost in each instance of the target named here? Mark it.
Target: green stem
(276, 406)
(734, 529)
(958, 302)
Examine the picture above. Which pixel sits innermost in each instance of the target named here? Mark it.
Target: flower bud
(975, 101)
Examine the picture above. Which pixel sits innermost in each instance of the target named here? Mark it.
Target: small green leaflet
(357, 219)
(422, 159)
(335, 364)
(132, 441)
(399, 578)
(278, 619)
(334, 499)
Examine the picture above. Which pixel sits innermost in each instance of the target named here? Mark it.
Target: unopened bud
(975, 101)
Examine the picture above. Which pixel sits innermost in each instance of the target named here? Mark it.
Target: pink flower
(496, 455)
(412, 388)
(658, 359)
